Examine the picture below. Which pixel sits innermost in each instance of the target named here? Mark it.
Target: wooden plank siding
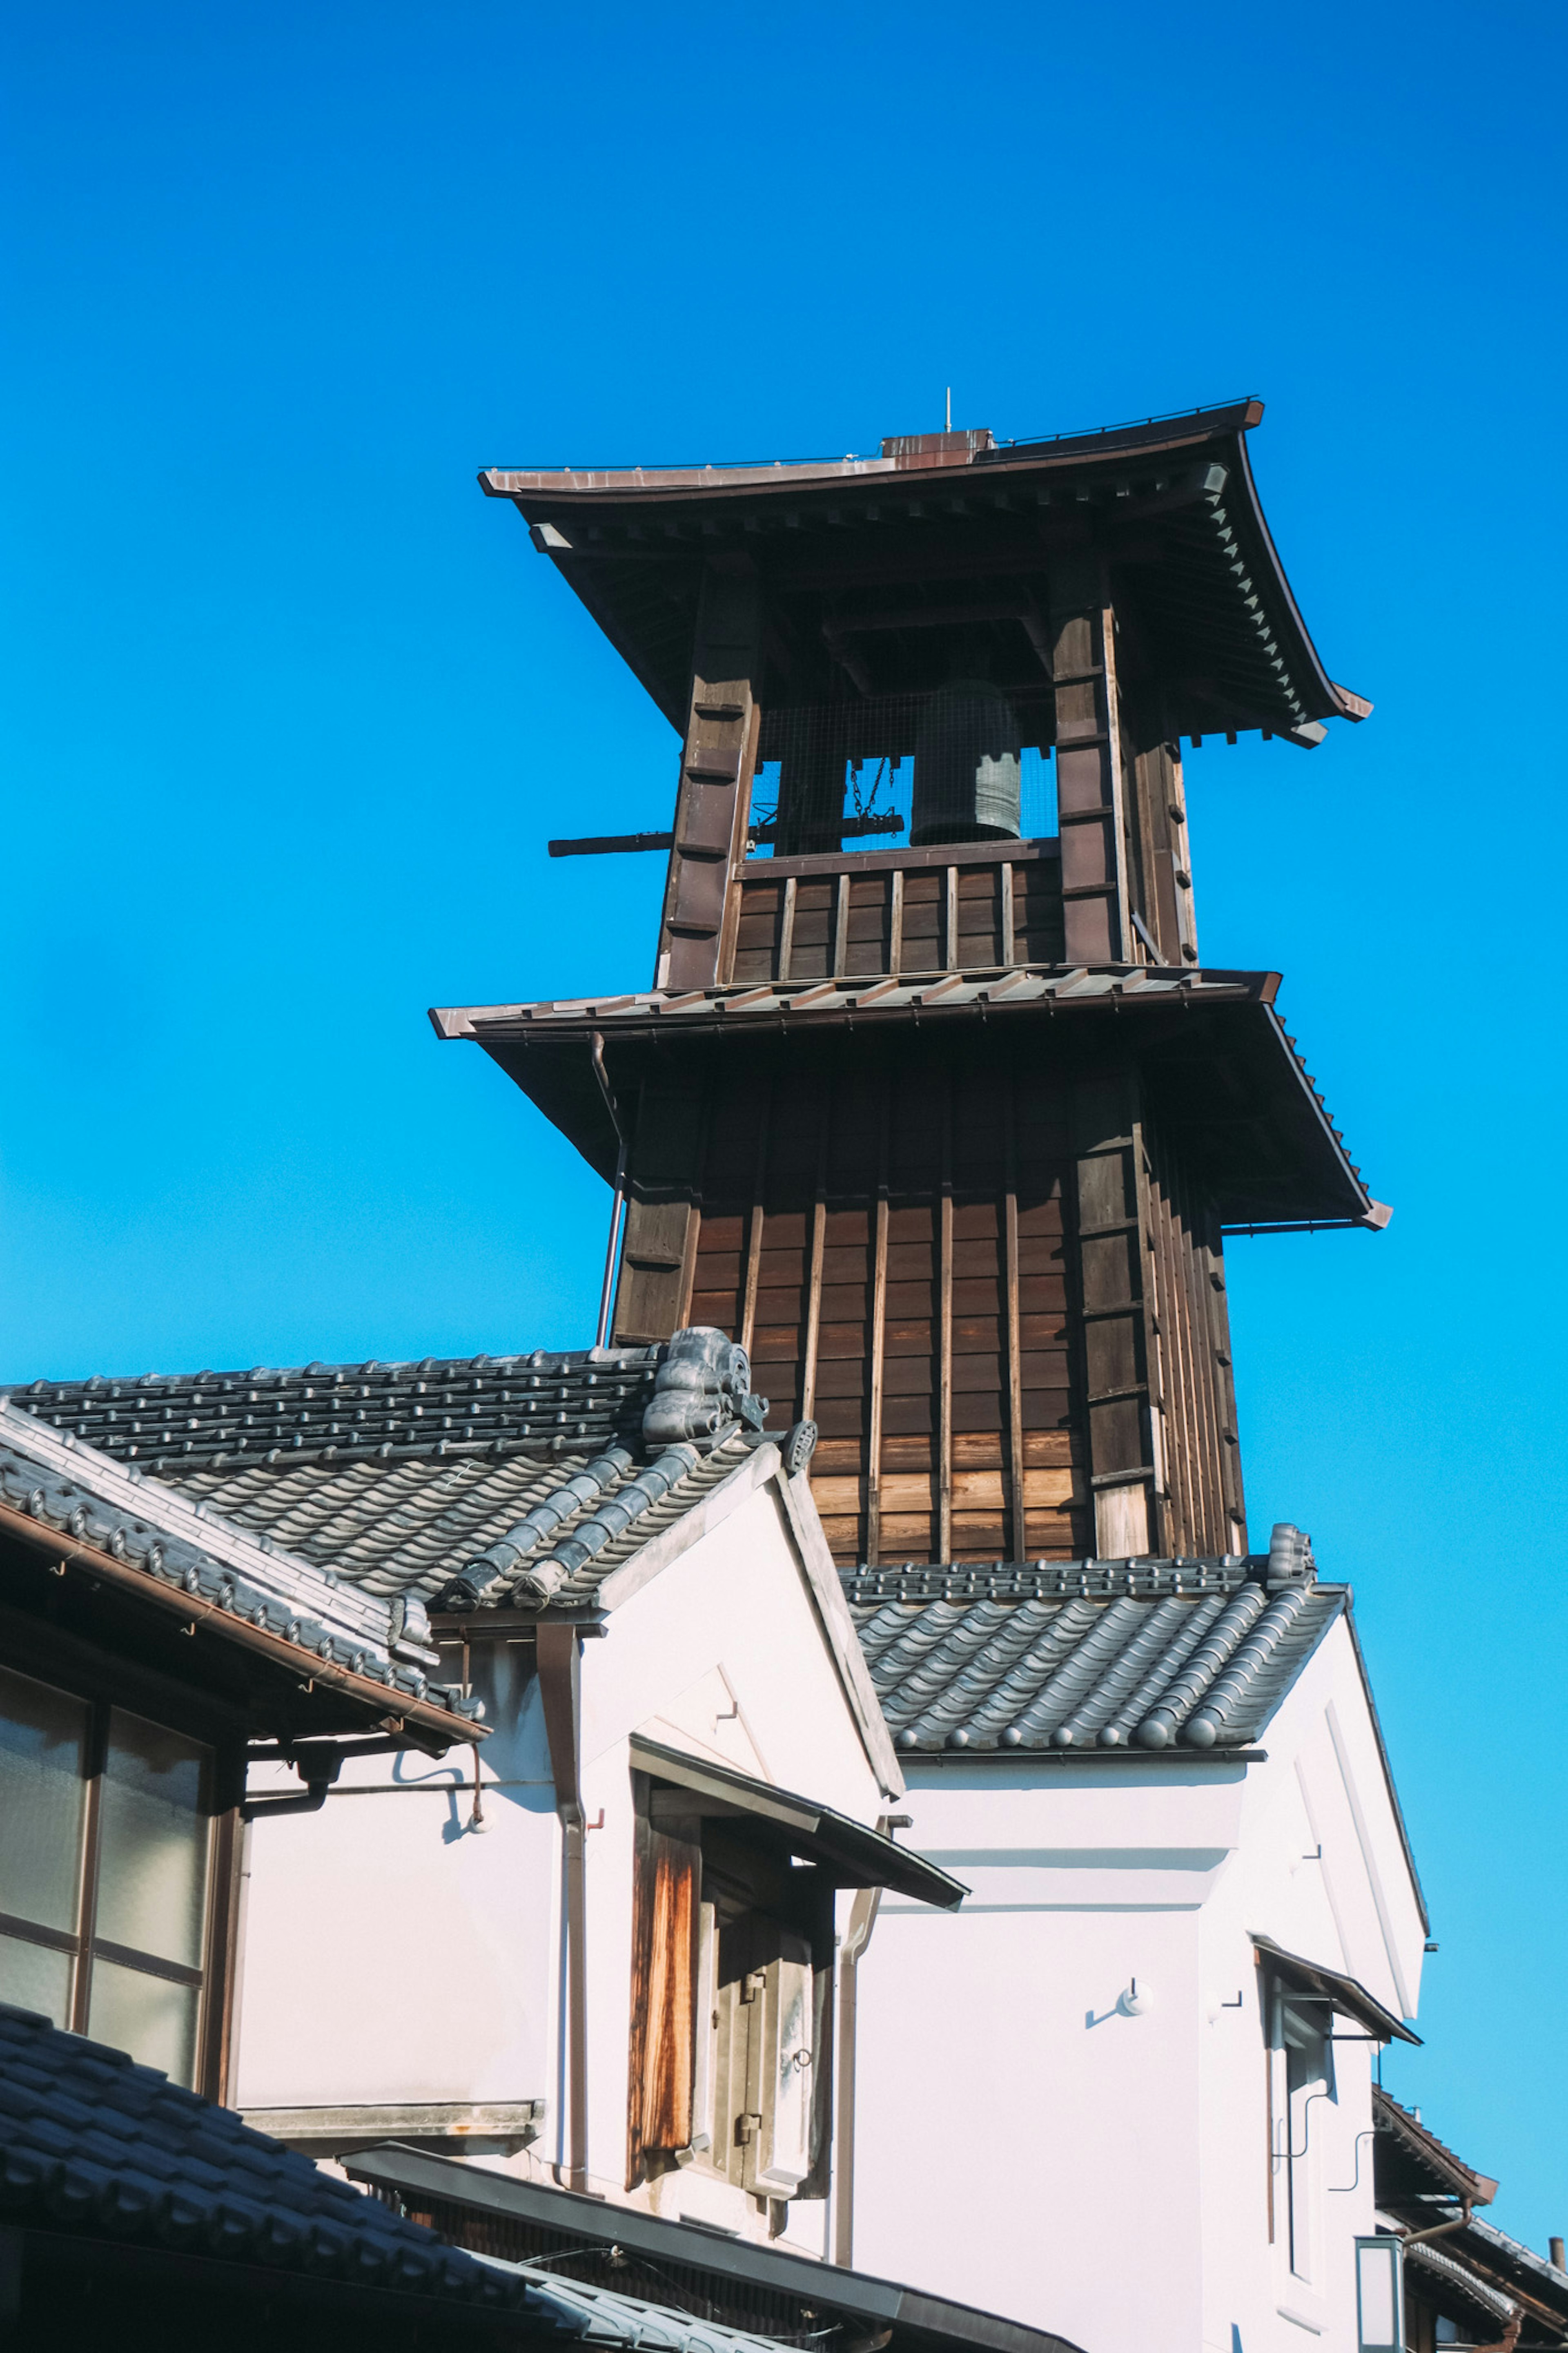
(1204, 1510)
(994, 1289)
(899, 1275)
(979, 909)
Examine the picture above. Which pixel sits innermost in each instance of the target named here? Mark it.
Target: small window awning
(1311, 1977)
(850, 1854)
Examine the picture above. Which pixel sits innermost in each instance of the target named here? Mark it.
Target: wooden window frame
(214, 1980)
(670, 2064)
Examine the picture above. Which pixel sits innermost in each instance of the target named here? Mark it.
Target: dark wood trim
(900, 861)
(91, 1848)
(216, 2046)
(945, 1315)
(151, 1965)
(1016, 1474)
(878, 1332)
(756, 1218)
(816, 1247)
(33, 1932)
(382, 1701)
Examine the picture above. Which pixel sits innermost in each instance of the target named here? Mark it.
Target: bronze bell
(967, 783)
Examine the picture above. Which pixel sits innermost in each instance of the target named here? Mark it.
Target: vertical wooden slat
(944, 1309)
(1017, 1529)
(220, 1960)
(949, 944)
(841, 928)
(878, 1338)
(786, 929)
(896, 922)
(1186, 911)
(1111, 1287)
(694, 1221)
(813, 1271)
(738, 847)
(1009, 952)
(1155, 1364)
(754, 1227)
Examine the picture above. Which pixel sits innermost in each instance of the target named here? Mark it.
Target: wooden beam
(755, 1226)
(814, 1275)
(944, 1309)
(715, 776)
(878, 1335)
(1018, 1524)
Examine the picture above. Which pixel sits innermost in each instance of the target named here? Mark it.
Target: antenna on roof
(950, 408)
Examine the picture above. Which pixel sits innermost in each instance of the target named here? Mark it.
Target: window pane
(35, 1978)
(43, 1754)
(154, 2021)
(153, 1864)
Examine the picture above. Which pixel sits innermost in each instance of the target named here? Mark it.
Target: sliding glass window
(106, 1836)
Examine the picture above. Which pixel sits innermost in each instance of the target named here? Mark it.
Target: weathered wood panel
(667, 1893)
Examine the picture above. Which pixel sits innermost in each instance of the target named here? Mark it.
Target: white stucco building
(1124, 2032)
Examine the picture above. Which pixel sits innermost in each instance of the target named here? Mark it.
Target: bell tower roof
(868, 563)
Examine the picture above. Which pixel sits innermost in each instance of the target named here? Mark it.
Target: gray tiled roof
(185, 1544)
(412, 1527)
(470, 1409)
(1052, 1655)
(396, 1479)
(93, 2143)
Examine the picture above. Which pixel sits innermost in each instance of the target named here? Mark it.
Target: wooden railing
(956, 907)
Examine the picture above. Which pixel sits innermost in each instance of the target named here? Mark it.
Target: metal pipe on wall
(618, 1202)
(559, 1655)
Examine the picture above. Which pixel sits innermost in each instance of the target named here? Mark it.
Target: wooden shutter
(665, 1940)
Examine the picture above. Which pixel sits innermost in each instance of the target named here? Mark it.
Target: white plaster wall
(737, 1606)
(1352, 1906)
(390, 1953)
(1106, 2177)
(1069, 2200)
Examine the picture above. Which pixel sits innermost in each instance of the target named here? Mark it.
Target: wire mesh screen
(968, 762)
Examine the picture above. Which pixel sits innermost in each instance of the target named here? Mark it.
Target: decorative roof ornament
(702, 1392)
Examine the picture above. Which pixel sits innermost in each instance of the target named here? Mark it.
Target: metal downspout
(856, 1936)
(559, 1653)
(1439, 2230)
(618, 1202)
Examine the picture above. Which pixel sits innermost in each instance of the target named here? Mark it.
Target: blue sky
(292, 710)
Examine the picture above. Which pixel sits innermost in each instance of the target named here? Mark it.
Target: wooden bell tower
(932, 1103)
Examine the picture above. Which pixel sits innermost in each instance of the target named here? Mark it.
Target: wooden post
(1088, 786)
(754, 1224)
(944, 1311)
(1109, 1241)
(879, 1336)
(715, 778)
(813, 1271)
(1016, 1481)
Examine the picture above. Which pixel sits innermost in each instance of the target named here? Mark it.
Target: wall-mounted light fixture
(1134, 2000)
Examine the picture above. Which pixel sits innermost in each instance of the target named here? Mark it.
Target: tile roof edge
(753, 1466)
(143, 1498)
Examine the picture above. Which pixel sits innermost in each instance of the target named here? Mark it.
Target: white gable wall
(391, 1955)
(1024, 2146)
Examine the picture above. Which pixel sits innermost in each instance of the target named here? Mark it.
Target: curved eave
(632, 542)
(1224, 1072)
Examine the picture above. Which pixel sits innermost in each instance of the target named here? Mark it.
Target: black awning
(759, 2289)
(1322, 1984)
(850, 1854)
